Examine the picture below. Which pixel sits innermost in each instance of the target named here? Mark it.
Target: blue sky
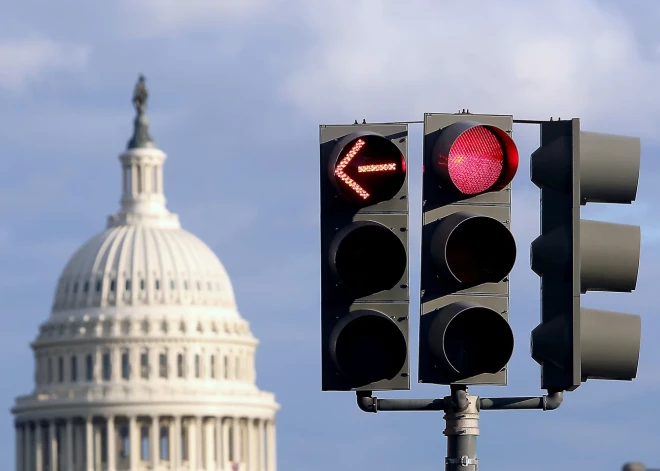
(238, 89)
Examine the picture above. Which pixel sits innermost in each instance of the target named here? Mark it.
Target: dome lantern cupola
(143, 200)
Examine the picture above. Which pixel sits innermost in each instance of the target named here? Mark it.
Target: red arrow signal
(343, 176)
(368, 168)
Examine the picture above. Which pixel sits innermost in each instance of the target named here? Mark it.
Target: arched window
(124, 443)
(107, 366)
(179, 365)
(162, 365)
(165, 443)
(125, 365)
(212, 366)
(226, 366)
(60, 369)
(197, 367)
(50, 370)
(144, 364)
(74, 369)
(98, 286)
(89, 367)
(157, 285)
(144, 442)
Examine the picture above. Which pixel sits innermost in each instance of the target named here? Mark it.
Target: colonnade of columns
(130, 443)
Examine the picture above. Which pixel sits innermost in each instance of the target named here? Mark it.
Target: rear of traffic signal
(467, 249)
(364, 257)
(573, 256)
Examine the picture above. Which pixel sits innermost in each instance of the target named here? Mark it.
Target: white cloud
(534, 59)
(159, 17)
(27, 60)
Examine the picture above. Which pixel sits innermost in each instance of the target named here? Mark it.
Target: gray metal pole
(461, 417)
(462, 429)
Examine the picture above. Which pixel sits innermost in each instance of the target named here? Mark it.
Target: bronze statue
(140, 95)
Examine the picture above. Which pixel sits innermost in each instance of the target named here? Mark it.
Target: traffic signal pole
(461, 417)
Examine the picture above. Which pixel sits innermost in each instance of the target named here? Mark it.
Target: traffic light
(364, 257)
(467, 249)
(573, 256)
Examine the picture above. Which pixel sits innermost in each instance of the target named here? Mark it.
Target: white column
(199, 433)
(134, 439)
(252, 449)
(236, 439)
(115, 361)
(98, 360)
(262, 444)
(97, 454)
(110, 443)
(52, 436)
(192, 444)
(19, 447)
(159, 178)
(225, 442)
(270, 447)
(154, 445)
(208, 444)
(134, 180)
(219, 453)
(68, 463)
(39, 447)
(89, 444)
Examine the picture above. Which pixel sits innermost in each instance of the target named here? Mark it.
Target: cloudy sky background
(238, 89)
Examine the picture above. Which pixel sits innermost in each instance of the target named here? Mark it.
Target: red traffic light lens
(367, 168)
(475, 158)
(368, 258)
(368, 346)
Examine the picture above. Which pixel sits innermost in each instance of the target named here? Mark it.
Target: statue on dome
(140, 95)
(141, 137)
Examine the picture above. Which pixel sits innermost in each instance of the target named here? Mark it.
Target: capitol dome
(145, 362)
(140, 265)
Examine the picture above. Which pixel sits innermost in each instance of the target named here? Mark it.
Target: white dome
(145, 349)
(141, 265)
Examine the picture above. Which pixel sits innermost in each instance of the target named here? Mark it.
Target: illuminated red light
(377, 168)
(367, 168)
(339, 171)
(475, 161)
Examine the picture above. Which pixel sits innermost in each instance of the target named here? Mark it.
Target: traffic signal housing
(467, 249)
(573, 256)
(364, 257)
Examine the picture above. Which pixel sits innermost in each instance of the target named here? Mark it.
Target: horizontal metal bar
(548, 402)
(369, 403)
(527, 121)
